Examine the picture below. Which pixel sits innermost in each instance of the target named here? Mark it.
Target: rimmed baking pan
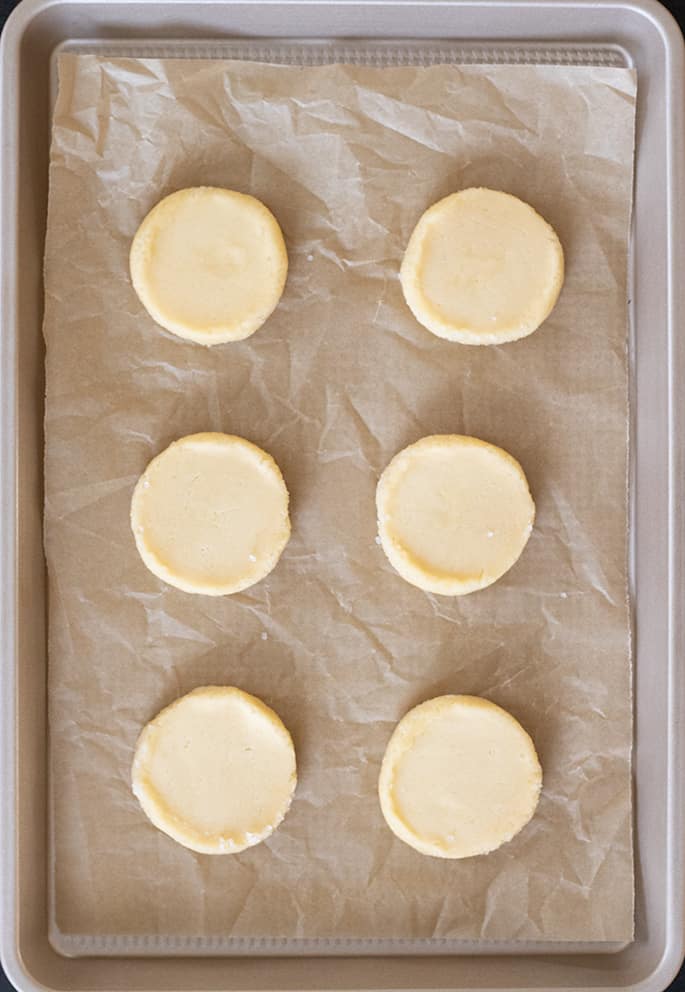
(640, 35)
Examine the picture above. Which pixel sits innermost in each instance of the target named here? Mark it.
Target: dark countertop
(5, 7)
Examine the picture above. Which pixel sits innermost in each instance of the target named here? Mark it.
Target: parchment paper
(339, 379)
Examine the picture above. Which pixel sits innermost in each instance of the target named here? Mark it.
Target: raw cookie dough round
(482, 267)
(460, 777)
(210, 514)
(215, 770)
(454, 513)
(209, 264)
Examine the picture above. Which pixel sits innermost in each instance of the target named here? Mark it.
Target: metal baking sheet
(645, 35)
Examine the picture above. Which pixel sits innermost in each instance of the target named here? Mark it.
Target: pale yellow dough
(209, 264)
(215, 770)
(210, 514)
(460, 777)
(454, 513)
(482, 267)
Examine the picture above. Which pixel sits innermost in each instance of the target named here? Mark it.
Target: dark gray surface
(6, 6)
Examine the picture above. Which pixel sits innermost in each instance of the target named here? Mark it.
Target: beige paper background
(337, 381)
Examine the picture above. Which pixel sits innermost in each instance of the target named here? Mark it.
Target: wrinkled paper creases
(338, 380)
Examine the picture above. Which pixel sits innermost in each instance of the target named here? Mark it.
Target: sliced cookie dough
(209, 264)
(460, 777)
(215, 770)
(210, 514)
(482, 267)
(454, 513)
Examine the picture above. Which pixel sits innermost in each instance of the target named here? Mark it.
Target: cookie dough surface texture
(454, 513)
(209, 264)
(482, 267)
(210, 514)
(460, 777)
(215, 770)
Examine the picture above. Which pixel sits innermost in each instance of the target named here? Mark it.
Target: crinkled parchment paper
(339, 379)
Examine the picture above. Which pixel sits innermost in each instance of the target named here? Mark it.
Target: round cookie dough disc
(454, 513)
(460, 777)
(209, 264)
(482, 267)
(210, 514)
(215, 770)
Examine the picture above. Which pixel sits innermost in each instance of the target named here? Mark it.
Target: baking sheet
(333, 385)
